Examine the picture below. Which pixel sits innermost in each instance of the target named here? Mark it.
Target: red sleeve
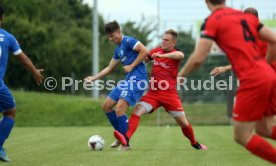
(209, 29)
(257, 22)
(260, 26)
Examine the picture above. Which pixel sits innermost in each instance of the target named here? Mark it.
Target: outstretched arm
(37, 73)
(198, 57)
(269, 36)
(221, 69)
(177, 55)
(112, 65)
(143, 52)
(147, 59)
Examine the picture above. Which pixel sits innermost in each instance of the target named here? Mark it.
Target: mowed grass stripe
(58, 146)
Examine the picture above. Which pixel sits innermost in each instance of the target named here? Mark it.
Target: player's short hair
(2, 11)
(111, 27)
(252, 10)
(217, 2)
(172, 32)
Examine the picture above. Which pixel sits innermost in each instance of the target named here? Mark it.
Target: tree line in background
(56, 35)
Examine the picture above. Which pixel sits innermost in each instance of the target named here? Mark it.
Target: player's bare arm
(198, 57)
(143, 52)
(268, 35)
(112, 65)
(37, 73)
(221, 69)
(147, 58)
(177, 55)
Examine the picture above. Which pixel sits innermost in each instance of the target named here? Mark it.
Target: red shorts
(170, 100)
(255, 101)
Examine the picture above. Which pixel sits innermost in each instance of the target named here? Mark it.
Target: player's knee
(10, 113)
(184, 124)
(263, 131)
(136, 112)
(241, 138)
(120, 109)
(259, 131)
(180, 118)
(139, 110)
(238, 138)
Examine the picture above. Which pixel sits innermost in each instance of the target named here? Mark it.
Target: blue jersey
(7, 43)
(126, 54)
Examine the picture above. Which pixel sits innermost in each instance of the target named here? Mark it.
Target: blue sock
(6, 126)
(112, 117)
(123, 124)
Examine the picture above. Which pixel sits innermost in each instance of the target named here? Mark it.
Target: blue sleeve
(132, 42)
(14, 46)
(115, 56)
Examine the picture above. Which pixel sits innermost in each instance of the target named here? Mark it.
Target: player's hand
(128, 68)
(89, 79)
(38, 76)
(156, 55)
(181, 79)
(218, 70)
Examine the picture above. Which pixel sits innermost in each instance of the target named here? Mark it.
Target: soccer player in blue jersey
(131, 53)
(7, 103)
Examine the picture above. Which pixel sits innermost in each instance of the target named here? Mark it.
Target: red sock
(132, 125)
(274, 133)
(260, 147)
(189, 133)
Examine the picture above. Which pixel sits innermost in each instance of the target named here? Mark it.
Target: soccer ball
(95, 143)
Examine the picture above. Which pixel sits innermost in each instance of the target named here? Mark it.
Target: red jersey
(262, 46)
(165, 68)
(236, 34)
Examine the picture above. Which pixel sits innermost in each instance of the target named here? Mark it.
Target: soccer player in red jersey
(166, 61)
(236, 32)
(262, 46)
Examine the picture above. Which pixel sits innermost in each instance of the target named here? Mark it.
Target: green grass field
(160, 146)
(52, 130)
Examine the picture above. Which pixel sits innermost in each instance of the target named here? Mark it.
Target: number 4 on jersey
(247, 34)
